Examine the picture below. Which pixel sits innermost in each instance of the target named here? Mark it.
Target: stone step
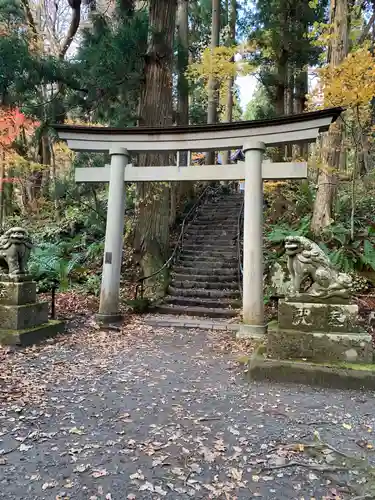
(232, 272)
(221, 260)
(209, 247)
(215, 303)
(212, 266)
(220, 214)
(201, 293)
(207, 223)
(214, 214)
(196, 311)
(213, 223)
(216, 218)
(215, 231)
(207, 259)
(215, 279)
(187, 283)
(225, 241)
(221, 202)
(226, 254)
(219, 237)
(219, 222)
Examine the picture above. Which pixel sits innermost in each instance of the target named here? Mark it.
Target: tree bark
(229, 101)
(181, 189)
(331, 144)
(212, 84)
(183, 62)
(289, 102)
(301, 90)
(152, 232)
(75, 20)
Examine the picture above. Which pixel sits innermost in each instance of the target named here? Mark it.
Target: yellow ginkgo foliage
(219, 64)
(350, 84)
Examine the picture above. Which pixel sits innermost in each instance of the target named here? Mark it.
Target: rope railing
(239, 252)
(179, 244)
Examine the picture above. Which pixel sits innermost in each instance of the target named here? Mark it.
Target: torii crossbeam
(253, 137)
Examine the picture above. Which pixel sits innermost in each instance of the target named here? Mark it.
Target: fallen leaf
(159, 489)
(25, 447)
(99, 473)
(137, 475)
(196, 468)
(208, 455)
(219, 445)
(159, 460)
(46, 486)
(81, 468)
(236, 474)
(177, 471)
(147, 487)
(75, 430)
(255, 478)
(347, 426)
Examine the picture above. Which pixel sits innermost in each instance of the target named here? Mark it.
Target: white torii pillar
(253, 306)
(109, 309)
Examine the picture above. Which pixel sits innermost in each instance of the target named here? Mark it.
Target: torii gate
(252, 136)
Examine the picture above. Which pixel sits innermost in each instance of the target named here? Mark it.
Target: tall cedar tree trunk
(281, 83)
(289, 96)
(152, 232)
(331, 141)
(232, 40)
(212, 84)
(301, 89)
(182, 189)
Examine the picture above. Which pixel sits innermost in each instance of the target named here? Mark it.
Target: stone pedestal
(319, 333)
(24, 320)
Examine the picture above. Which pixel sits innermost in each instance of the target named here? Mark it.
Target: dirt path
(145, 413)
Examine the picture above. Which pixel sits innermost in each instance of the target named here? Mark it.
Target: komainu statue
(15, 247)
(307, 260)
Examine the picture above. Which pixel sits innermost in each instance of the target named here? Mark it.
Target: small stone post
(253, 307)
(110, 288)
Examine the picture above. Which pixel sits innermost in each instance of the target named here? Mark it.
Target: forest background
(164, 62)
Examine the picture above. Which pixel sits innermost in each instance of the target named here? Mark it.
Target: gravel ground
(146, 413)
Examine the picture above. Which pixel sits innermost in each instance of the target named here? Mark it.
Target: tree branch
(75, 5)
(366, 29)
(317, 467)
(30, 19)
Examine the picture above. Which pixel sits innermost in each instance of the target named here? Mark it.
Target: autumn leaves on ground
(140, 412)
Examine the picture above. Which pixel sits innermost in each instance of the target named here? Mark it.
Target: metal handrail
(239, 253)
(177, 245)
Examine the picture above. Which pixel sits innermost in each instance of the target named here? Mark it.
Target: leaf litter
(141, 411)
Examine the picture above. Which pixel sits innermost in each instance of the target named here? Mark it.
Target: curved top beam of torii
(273, 132)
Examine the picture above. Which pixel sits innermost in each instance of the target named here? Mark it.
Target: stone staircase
(205, 278)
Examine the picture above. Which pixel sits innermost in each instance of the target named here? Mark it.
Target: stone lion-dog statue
(307, 260)
(15, 248)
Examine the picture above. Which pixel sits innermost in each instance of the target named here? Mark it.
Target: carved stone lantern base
(24, 320)
(319, 333)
